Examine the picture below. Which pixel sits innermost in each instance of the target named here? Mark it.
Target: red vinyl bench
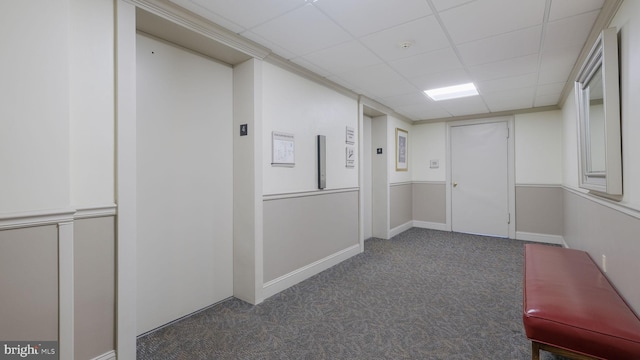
(571, 309)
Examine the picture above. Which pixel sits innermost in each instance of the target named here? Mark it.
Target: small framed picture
(402, 150)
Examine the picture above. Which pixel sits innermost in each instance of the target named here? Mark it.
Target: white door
(480, 179)
(184, 182)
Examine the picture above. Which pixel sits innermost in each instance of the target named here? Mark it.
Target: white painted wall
(367, 183)
(247, 182)
(538, 147)
(295, 105)
(570, 136)
(627, 21)
(34, 105)
(598, 226)
(318, 228)
(184, 183)
(57, 135)
(429, 145)
(91, 71)
(538, 143)
(380, 173)
(126, 174)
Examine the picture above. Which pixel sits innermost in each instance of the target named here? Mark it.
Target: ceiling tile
(550, 89)
(427, 63)
(381, 73)
(502, 47)
(546, 100)
(415, 98)
(511, 99)
(207, 12)
(557, 65)
(343, 58)
(392, 88)
(236, 11)
(361, 18)
(275, 48)
(505, 68)
(566, 8)
(568, 32)
(425, 34)
(423, 112)
(343, 82)
(465, 106)
(442, 5)
(447, 78)
(507, 83)
(380, 80)
(311, 67)
(483, 19)
(497, 44)
(313, 31)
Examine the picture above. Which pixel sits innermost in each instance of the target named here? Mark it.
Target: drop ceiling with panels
(519, 53)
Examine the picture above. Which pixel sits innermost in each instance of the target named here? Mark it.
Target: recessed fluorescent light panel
(452, 92)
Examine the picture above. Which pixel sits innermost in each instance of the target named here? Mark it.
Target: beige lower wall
(400, 208)
(299, 231)
(94, 287)
(430, 202)
(29, 284)
(539, 209)
(30, 287)
(601, 229)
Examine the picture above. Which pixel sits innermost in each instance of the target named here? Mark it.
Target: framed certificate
(283, 149)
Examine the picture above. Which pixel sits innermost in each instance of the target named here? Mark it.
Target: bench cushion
(570, 304)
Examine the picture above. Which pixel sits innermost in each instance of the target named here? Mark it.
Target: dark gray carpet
(425, 294)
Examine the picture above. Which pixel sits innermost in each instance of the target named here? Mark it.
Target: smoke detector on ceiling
(406, 44)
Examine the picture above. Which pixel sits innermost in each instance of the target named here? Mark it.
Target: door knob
(455, 184)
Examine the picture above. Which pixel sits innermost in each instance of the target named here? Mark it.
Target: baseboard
(542, 238)
(111, 355)
(430, 225)
(286, 281)
(400, 229)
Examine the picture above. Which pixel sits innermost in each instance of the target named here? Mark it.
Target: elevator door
(184, 182)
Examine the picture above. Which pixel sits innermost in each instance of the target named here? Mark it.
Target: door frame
(511, 181)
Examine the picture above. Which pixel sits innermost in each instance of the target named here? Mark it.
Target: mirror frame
(603, 55)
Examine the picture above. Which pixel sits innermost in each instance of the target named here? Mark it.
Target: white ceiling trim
(204, 27)
(201, 26)
(490, 115)
(603, 21)
(378, 107)
(174, 13)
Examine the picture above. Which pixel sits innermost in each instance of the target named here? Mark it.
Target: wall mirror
(598, 101)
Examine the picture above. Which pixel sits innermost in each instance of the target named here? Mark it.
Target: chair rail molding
(36, 218)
